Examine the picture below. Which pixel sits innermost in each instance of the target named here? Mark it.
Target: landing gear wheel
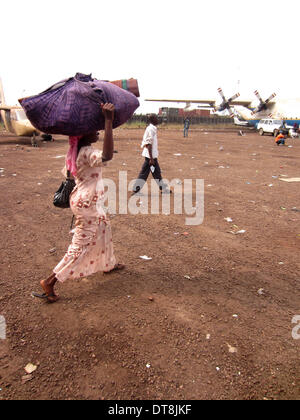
(47, 137)
(33, 140)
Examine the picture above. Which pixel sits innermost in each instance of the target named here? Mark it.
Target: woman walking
(91, 249)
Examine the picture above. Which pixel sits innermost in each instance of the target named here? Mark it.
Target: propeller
(263, 105)
(225, 105)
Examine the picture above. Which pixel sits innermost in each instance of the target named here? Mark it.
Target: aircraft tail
(237, 121)
(2, 98)
(3, 106)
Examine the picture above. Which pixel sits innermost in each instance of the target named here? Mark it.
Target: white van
(269, 126)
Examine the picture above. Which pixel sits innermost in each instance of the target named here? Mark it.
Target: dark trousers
(186, 132)
(144, 173)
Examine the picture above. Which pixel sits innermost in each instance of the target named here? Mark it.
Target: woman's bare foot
(117, 267)
(48, 288)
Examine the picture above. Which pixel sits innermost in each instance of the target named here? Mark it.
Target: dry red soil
(208, 317)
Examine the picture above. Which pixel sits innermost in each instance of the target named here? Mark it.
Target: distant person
(283, 128)
(186, 127)
(294, 132)
(150, 153)
(280, 139)
(91, 249)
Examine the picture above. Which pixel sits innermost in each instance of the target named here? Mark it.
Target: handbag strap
(72, 222)
(69, 177)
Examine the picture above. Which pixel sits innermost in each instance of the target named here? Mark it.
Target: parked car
(269, 126)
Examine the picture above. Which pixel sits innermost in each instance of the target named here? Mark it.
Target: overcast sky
(176, 49)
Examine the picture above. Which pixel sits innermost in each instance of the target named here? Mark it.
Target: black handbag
(62, 195)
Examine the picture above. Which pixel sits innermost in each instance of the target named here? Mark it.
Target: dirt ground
(208, 317)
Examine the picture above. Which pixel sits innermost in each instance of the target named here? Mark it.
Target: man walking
(150, 153)
(186, 127)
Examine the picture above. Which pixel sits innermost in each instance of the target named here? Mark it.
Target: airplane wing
(209, 102)
(189, 101)
(8, 108)
(246, 104)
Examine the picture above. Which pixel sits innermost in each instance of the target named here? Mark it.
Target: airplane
(249, 112)
(16, 122)
(225, 105)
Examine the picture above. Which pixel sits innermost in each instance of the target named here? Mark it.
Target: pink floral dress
(91, 249)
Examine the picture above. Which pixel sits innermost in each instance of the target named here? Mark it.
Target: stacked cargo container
(181, 112)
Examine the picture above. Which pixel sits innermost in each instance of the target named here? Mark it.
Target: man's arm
(108, 142)
(149, 147)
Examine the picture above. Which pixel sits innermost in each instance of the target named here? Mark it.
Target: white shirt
(150, 137)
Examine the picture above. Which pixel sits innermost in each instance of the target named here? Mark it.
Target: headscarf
(72, 154)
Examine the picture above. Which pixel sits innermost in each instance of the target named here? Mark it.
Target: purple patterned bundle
(72, 106)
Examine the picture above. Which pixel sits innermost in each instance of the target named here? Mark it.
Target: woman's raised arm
(108, 142)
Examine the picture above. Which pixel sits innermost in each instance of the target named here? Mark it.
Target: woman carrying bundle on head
(91, 249)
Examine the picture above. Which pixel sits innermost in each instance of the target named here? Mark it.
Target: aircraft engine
(225, 105)
(263, 105)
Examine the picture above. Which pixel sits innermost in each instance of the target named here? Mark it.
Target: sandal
(39, 295)
(45, 296)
